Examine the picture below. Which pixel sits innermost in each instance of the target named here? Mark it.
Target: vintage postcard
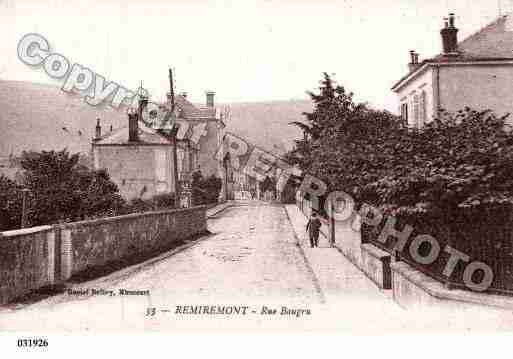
(171, 166)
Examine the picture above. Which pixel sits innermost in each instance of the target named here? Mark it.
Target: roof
(189, 111)
(494, 42)
(184, 109)
(147, 136)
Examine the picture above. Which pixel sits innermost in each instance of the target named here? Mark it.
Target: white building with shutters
(476, 72)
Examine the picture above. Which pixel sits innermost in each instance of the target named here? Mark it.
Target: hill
(42, 117)
(37, 116)
(267, 123)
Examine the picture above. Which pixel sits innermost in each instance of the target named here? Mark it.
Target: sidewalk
(338, 278)
(218, 208)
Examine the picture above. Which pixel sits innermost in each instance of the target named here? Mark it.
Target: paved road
(250, 262)
(251, 259)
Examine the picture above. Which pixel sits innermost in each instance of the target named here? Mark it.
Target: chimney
(183, 94)
(414, 61)
(133, 120)
(210, 98)
(450, 36)
(133, 127)
(98, 130)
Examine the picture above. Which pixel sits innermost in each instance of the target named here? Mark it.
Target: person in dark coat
(313, 227)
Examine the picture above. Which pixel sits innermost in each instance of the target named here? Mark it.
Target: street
(249, 273)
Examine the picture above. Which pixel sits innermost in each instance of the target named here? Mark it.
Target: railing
(486, 238)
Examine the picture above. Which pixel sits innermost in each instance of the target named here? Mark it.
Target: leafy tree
(63, 190)
(458, 163)
(340, 138)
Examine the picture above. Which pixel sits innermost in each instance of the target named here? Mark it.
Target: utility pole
(174, 132)
(331, 219)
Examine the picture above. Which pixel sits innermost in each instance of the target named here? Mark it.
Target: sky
(245, 51)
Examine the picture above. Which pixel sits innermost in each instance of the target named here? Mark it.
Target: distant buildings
(247, 168)
(476, 72)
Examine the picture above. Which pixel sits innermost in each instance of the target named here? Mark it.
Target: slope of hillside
(266, 124)
(36, 116)
(42, 117)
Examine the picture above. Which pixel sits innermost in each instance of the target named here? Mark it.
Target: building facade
(138, 159)
(476, 72)
(200, 131)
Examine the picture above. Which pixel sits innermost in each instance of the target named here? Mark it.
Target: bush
(61, 189)
(164, 201)
(452, 179)
(10, 204)
(205, 190)
(458, 163)
(156, 203)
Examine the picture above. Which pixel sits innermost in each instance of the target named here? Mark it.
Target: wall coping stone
(438, 290)
(97, 221)
(24, 231)
(375, 252)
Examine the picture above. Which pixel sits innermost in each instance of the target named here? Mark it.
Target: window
(404, 113)
(423, 112)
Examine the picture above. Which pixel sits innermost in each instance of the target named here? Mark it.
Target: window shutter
(416, 111)
(423, 113)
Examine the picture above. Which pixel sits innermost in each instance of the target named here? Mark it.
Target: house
(138, 158)
(476, 72)
(200, 133)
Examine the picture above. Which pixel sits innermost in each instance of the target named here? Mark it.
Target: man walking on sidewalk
(313, 227)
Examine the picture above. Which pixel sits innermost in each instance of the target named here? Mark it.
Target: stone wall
(413, 289)
(26, 261)
(376, 265)
(43, 256)
(372, 261)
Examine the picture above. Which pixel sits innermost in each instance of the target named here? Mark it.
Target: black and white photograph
(255, 166)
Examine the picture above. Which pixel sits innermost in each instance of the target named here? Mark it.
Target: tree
(340, 137)
(61, 189)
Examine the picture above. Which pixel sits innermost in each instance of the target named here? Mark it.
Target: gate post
(331, 219)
